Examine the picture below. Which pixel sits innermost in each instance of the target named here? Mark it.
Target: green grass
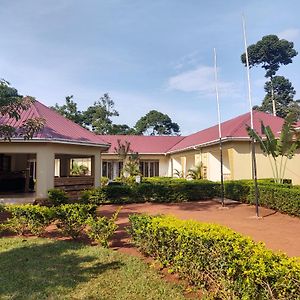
(48, 269)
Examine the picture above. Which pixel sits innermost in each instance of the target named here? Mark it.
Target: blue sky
(147, 55)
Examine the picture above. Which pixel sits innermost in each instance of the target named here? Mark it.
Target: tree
(70, 111)
(283, 148)
(156, 123)
(12, 104)
(121, 129)
(270, 52)
(284, 93)
(129, 158)
(98, 116)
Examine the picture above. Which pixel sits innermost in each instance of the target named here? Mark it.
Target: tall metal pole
(254, 169)
(220, 131)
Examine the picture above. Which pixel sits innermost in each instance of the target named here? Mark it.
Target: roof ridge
(167, 150)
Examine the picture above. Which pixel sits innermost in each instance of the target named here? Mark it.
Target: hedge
(281, 197)
(160, 191)
(215, 257)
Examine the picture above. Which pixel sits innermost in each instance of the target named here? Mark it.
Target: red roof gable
(233, 128)
(143, 144)
(56, 128)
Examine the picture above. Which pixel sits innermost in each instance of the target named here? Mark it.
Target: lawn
(37, 268)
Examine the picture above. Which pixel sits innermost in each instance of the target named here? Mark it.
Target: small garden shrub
(33, 218)
(72, 218)
(101, 229)
(224, 262)
(57, 197)
(2, 208)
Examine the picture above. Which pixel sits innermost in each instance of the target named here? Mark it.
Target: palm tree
(196, 172)
(178, 173)
(278, 150)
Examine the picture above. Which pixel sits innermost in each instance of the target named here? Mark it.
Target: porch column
(97, 169)
(44, 172)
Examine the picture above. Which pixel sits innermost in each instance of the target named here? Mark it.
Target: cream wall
(242, 164)
(45, 153)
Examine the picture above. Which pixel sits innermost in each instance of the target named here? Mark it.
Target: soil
(278, 231)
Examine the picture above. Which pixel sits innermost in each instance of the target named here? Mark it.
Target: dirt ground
(278, 231)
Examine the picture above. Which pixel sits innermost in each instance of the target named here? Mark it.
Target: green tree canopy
(98, 116)
(70, 111)
(156, 123)
(122, 129)
(270, 52)
(12, 104)
(284, 93)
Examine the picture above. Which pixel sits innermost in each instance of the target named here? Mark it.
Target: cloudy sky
(154, 54)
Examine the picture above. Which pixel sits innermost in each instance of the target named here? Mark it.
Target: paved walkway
(276, 230)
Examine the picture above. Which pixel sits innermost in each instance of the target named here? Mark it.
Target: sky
(154, 54)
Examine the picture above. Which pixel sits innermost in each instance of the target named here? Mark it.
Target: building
(52, 158)
(163, 155)
(65, 155)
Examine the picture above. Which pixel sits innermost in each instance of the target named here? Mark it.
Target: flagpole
(254, 169)
(220, 130)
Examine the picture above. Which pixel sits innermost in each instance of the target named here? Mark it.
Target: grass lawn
(46, 269)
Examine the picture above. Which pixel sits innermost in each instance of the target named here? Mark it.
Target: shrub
(72, 218)
(33, 218)
(93, 196)
(2, 208)
(156, 191)
(57, 197)
(281, 197)
(217, 258)
(101, 229)
(104, 181)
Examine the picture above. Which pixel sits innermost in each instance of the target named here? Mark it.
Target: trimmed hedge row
(281, 197)
(215, 257)
(163, 191)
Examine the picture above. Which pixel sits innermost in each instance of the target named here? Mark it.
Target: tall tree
(283, 92)
(98, 116)
(156, 123)
(121, 129)
(12, 104)
(270, 52)
(70, 111)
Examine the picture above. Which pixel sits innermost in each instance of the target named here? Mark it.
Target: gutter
(62, 141)
(214, 142)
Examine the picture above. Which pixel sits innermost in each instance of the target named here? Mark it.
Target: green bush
(57, 197)
(33, 218)
(224, 262)
(281, 197)
(101, 229)
(2, 208)
(72, 218)
(156, 191)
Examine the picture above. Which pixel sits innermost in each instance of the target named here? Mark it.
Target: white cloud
(200, 80)
(289, 34)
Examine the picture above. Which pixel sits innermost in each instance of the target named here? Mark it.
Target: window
(57, 167)
(81, 166)
(149, 168)
(112, 169)
(5, 163)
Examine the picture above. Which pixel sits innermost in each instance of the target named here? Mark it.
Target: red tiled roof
(56, 128)
(233, 128)
(143, 144)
